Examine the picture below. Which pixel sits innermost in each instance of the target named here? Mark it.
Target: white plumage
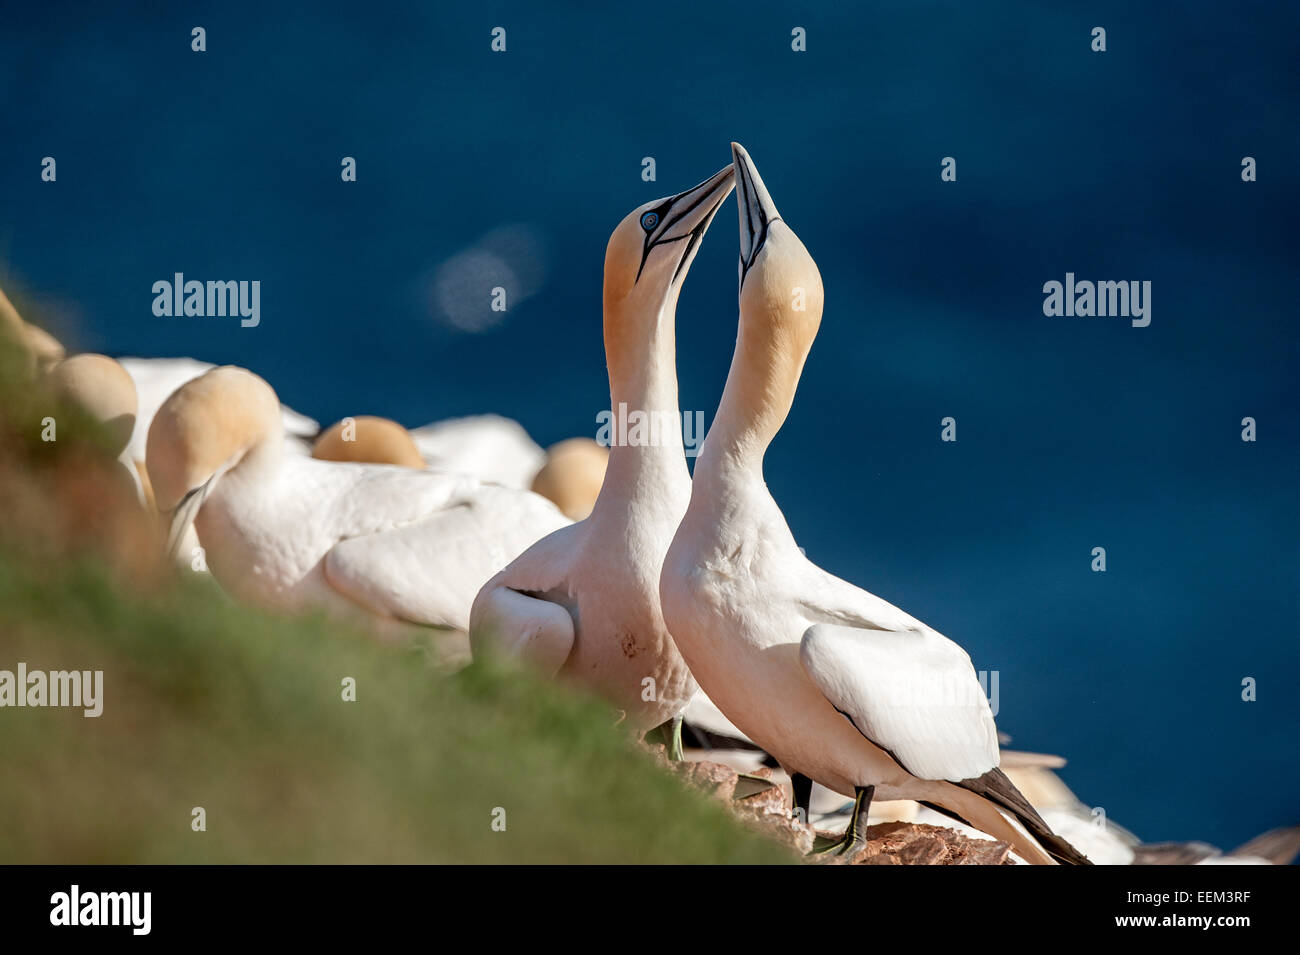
(837, 684)
(584, 602)
(288, 532)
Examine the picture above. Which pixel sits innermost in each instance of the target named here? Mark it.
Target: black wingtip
(996, 787)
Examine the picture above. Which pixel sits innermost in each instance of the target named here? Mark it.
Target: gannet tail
(994, 792)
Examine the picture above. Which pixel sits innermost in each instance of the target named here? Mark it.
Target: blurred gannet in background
(838, 685)
(572, 476)
(583, 603)
(489, 447)
(366, 439)
(1108, 843)
(101, 388)
(288, 532)
(156, 379)
(42, 349)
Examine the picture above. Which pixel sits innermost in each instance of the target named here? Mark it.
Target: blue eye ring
(649, 220)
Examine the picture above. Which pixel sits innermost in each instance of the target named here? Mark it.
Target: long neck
(641, 353)
(760, 390)
(258, 463)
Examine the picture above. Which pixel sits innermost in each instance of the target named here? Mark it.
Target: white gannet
(287, 531)
(572, 475)
(156, 379)
(838, 685)
(101, 388)
(583, 603)
(366, 439)
(487, 446)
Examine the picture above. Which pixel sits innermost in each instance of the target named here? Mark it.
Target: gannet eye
(649, 221)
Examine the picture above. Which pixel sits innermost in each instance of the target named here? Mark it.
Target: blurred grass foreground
(213, 706)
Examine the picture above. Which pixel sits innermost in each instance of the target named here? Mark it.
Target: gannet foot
(669, 733)
(855, 836)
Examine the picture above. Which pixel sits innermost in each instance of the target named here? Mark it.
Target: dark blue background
(1073, 432)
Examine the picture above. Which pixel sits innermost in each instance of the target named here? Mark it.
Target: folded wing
(911, 692)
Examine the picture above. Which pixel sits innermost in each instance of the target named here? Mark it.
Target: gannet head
(366, 439)
(572, 476)
(780, 286)
(103, 389)
(652, 249)
(207, 427)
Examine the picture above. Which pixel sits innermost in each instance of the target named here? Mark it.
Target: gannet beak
(686, 216)
(757, 210)
(183, 516)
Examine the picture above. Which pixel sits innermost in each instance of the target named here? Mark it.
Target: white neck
(643, 378)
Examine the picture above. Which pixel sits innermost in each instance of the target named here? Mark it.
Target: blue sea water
(1072, 433)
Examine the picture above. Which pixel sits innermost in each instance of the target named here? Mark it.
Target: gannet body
(570, 476)
(837, 684)
(488, 447)
(156, 379)
(583, 603)
(287, 531)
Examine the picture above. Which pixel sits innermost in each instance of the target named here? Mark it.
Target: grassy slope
(210, 704)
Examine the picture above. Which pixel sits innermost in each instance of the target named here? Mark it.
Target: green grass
(212, 705)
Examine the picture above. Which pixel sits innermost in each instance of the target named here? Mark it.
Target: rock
(767, 810)
(782, 827)
(771, 800)
(906, 843)
(713, 779)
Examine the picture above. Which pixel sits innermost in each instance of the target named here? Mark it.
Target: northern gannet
(287, 531)
(572, 476)
(101, 388)
(367, 439)
(155, 380)
(488, 446)
(838, 685)
(583, 603)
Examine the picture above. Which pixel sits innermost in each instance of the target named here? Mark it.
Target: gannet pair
(287, 531)
(570, 476)
(583, 603)
(839, 686)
